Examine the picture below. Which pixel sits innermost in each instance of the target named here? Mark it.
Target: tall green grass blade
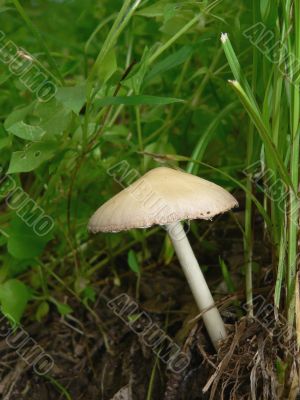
(173, 39)
(227, 276)
(281, 268)
(249, 233)
(293, 215)
(39, 38)
(236, 67)
(204, 139)
(122, 20)
(262, 130)
(136, 100)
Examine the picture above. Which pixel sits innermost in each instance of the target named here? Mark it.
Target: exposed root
(258, 361)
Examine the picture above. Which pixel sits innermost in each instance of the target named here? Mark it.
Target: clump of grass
(273, 105)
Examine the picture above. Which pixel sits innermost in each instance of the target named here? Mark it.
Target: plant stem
(248, 238)
(293, 214)
(202, 295)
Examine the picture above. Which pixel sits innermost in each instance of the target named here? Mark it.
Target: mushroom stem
(211, 316)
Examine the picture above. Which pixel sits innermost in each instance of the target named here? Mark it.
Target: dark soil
(97, 356)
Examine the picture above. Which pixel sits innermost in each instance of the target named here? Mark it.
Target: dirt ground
(97, 356)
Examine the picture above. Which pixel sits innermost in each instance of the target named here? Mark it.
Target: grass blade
(263, 131)
(39, 38)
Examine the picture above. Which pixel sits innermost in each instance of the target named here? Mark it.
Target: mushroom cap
(161, 196)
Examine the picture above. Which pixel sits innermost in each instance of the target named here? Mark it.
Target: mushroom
(164, 196)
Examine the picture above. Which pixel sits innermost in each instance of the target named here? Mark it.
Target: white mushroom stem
(211, 316)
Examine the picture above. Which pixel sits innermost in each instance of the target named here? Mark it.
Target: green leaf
(281, 368)
(153, 11)
(42, 310)
(226, 275)
(73, 98)
(14, 296)
(27, 132)
(168, 250)
(4, 142)
(24, 246)
(170, 62)
(137, 75)
(257, 119)
(121, 21)
(54, 117)
(136, 100)
(63, 309)
(32, 157)
(80, 284)
(108, 66)
(23, 243)
(170, 11)
(265, 6)
(5, 9)
(268, 12)
(89, 293)
(18, 115)
(133, 262)
(206, 137)
(236, 67)
(5, 139)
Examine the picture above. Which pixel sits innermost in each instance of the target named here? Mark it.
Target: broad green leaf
(42, 310)
(31, 157)
(54, 117)
(170, 11)
(23, 246)
(14, 296)
(133, 262)
(23, 243)
(158, 9)
(108, 66)
(63, 308)
(89, 293)
(18, 115)
(73, 98)
(17, 266)
(27, 132)
(137, 100)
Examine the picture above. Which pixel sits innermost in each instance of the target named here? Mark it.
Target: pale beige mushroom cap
(161, 196)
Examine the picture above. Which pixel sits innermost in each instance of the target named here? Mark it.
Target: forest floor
(98, 356)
